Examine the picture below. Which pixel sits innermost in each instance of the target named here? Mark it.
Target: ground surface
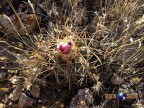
(103, 53)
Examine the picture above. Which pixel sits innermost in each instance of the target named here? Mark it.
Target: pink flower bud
(65, 48)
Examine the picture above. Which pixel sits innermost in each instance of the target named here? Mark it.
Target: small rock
(83, 99)
(116, 80)
(35, 90)
(2, 105)
(24, 101)
(3, 75)
(14, 79)
(16, 93)
(19, 24)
